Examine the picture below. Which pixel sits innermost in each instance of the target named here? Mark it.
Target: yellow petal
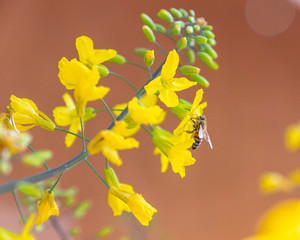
(154, 86)
(169, 68)
(168, 97)
(179, 84)
(85, 49)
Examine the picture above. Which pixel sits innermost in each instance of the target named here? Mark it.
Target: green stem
(147, 130)
(82, 131)
(50, 191)
(106, 163)
(108, 109)
(90, 165)
(44, 163)
(161, 48)
(103, 110)
(137, 65)
(126, 80)
(150, 72)
(66, 131)
(19, 205)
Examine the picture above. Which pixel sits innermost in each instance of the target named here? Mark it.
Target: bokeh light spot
(269, 17)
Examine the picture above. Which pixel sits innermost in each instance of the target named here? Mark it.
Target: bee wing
(207, 138)
(200, 132)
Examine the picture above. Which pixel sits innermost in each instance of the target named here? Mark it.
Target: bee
(200, 131)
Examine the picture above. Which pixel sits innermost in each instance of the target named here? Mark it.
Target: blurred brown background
(253, 97)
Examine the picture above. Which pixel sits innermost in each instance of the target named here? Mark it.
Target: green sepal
(160, 28)
(200, 80)
(165, 15)
(148, 21)
(148, 33)
(111, 177)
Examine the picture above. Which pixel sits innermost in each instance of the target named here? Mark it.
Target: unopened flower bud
(211, 42)
(197, 28)
(149, 58)
(207, 27)
(103, 71)
(165, 15)
(209, 34)
(30, 189)
(184, 13)
(206, 58)
(181, 44)
(176, 12)
(118, 59)
(140, 51)
(148, 33)
(148, 21)
(189, 29)
(192, 13)
(200, 80)
(180, 23)
(189, 70)
(191, 19)
(190, 55)
(200, 39)
(208, 49)
(201, 22)
(111, 177)
(160, 28)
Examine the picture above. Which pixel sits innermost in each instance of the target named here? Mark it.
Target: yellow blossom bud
(208, 49)
(148, 21)
(200, 80)
(165, 15)
(36, 159)
(200, 39)
(160, 28)
(118, 59)
(148, 33)
(189, 29)
(140, 51)
(190, 55)
(182, 42)
(184, 13)
(81, 209)
(176, 12)
(103, 71)
(30, 189)
(189, 70)
(191, 19)
(149, 58)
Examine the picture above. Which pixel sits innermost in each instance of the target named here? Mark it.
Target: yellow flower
(46, 207)
(142, 210)
(90, 56)
(195, 111)
(280, 223)
(75, 75)
(166, 84)
(25, 235)
(26, 115)
(274, 182)
(64, 116)
(145, 115)
(149, 58)
(292, 136)
(109, 141)
(173, 149)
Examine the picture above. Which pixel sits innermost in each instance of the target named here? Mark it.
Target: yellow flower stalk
(109, 142)
(67, 115)
(75, 75)
(166, 84)
(26, 115)
(195, 111)
(25, 235)
(90, 56)
(173, 149)
(280, 223)
(292, 136)
(142, 210)
(46, 207)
